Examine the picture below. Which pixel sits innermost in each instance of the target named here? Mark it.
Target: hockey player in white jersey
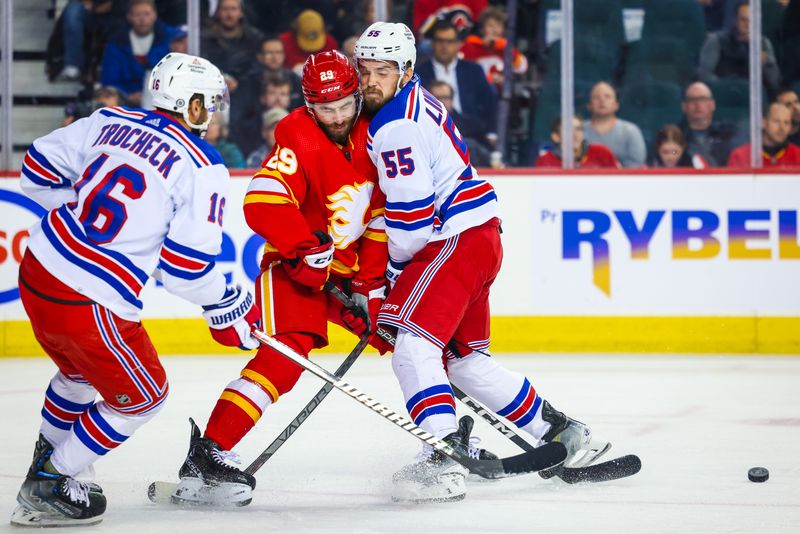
(131, 194)
(443, 226)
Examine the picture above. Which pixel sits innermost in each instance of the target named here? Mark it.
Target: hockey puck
(758, 474)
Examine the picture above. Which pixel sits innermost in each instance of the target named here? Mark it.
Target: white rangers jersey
(432, 191)
(129, 192)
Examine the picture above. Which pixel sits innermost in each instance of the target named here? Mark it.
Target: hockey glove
(312, 265)
(231, 320)
(368, 297)
(393, 271)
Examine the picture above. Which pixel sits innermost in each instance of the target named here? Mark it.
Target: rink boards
(634, 263)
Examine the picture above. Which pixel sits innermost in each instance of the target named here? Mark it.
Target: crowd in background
(658, 83)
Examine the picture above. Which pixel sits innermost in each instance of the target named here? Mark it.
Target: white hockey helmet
(388, 41)
(178, 77)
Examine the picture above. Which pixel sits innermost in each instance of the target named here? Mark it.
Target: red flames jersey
(310, 183)
(788, 157)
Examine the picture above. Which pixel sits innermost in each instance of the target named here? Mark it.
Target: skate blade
(25, 517)
(595, 450)
(194, 492)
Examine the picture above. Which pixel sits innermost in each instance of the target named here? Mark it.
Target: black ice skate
(435, 477)
(575, 436)
(49, 499)
(209, 476)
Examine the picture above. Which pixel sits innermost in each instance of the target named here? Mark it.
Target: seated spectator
(217, 136)
(727, 54)
(788, 98)
(270, 65)
(132, 51)
(276, 93)
(488, 48)
(81, 18)
(670, 150)
(232, 45)
(462, 14)
(269, 120)
(306, 37)
(473, 97)
(623, 138)
(179, 42)
(777, 150)
(103, 97)
(705, 137)
(587, 156)
(471, 130)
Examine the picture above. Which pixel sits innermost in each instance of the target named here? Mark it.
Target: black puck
(758, 474)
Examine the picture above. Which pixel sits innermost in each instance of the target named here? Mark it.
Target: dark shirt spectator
(624, 139)
(231, 44)
(134, 50)
(217, 136)
(670, 150)
(270, 62)
(587, 156)
(711, 140)
(269, 121)
(306, 37)
(102, 97)
(276, 93)
(471, 131)
(726, 54)
(789, 98)
(473, 97)
(81, 18)
(777, 150)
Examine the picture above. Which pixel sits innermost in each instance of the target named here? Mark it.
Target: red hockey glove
(367, 296)
(231, 320)
(312, 265)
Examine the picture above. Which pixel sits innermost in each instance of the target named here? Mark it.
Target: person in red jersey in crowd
(587, 156)
(317, 204)
(487, 48)
(777, 150)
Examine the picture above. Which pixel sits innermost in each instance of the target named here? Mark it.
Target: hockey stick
(621, 467)
(548, 455)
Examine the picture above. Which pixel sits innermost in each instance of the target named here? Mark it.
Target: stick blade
(622, 467)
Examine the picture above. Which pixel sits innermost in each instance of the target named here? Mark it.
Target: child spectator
(586, 156)
(217, 136)
(670, 150)
(269, 120)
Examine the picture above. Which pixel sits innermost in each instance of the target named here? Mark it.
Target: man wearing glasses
(705, 137)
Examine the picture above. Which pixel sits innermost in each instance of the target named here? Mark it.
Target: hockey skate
(49, 499)
(209, 476)
(434, 477)
(582, 450)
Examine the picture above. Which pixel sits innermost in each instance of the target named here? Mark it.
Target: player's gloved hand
(368, 297)
(231, 319)
(313, 264)
(393, 271)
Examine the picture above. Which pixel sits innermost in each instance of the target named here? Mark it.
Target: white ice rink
(697, 422)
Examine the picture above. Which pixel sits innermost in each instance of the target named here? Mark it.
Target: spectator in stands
(79, 18)
(488, 48)
(349, 47)
(306, 37)
(777, 150)
(587, 156)
(132, 51)
(623, 138)
(788, 98)
(714, 13)
(269, 120)
(270, 65)
(471, 130)
(670, 150)
(473, 98)
(726, 54)
(217, 136)
(711, 140)
(102, 97)
(276, 93)
(462, 14)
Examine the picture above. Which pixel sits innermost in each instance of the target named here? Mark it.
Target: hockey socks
(65, 400)
(238, 409)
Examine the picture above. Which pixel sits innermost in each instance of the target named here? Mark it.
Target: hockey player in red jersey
(443, 228)
(316, 203)
(128, 195)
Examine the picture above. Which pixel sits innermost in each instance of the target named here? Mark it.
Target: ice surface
(698, 423)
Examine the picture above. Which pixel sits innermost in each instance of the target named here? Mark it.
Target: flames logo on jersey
(349, 208)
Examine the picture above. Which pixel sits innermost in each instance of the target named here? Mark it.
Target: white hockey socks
(505, 392)
(417, 363)
(65, 400)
